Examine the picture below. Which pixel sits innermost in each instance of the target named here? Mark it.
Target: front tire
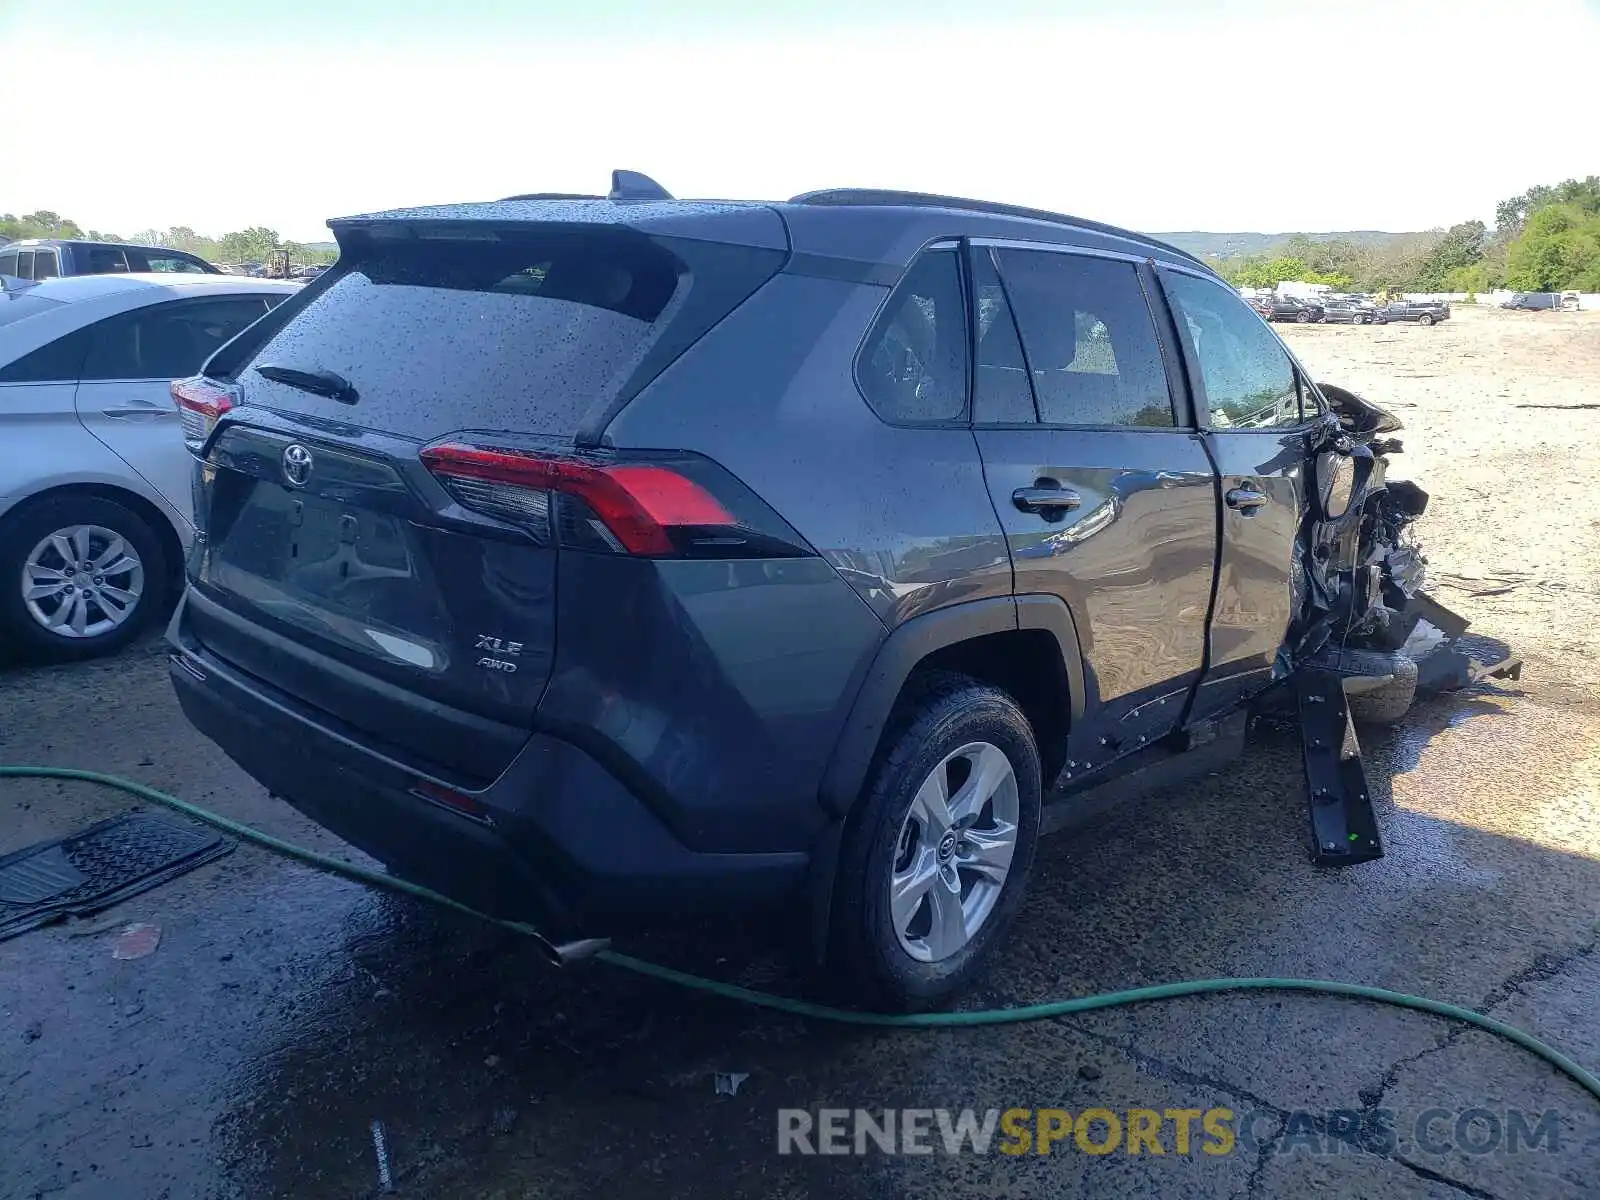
(1303, 317)
(936, 856)
(80, 576)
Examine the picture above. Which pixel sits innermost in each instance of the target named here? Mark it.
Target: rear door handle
(140, 408)
(1245, 499)
(1050, 501)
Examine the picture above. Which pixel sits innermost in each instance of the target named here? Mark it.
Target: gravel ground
(284, 1011)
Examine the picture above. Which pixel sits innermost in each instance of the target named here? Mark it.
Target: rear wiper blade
(318, 383)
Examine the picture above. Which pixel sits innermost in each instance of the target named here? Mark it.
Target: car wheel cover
(954, 852)
(82, 581)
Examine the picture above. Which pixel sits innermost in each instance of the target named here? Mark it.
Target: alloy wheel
(954, 852)
(82, 581)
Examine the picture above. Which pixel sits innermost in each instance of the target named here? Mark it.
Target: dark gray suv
(600, 560)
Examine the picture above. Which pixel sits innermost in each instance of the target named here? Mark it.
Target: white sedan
(94, 473)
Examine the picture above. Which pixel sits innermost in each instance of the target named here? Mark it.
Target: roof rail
(551, 196)
(891, 198)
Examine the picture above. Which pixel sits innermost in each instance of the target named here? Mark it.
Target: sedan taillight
(201, 403)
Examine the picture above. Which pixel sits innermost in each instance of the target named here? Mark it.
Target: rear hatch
(363, 552)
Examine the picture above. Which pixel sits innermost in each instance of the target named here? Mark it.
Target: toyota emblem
(296, 464)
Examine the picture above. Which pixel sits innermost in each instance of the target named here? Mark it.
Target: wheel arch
(1038, 631)
(156, 516)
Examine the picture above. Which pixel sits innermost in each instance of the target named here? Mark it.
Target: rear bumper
(560, 843)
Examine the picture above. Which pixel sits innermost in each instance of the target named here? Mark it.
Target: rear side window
(1003, 395)
(8, 263)
(1088, 338)
(913, 367)
(167, 341)
(25, 264)
(60, 361)
(1248, 378)
(106, 260)
(44, 264)
(172, 263)
(528, 332)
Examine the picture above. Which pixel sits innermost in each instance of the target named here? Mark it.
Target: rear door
(1261, 422)
(125, 395)
(1106, 494)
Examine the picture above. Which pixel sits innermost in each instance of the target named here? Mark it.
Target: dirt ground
(284, 1011)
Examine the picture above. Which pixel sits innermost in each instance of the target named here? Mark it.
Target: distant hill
(1234, 245)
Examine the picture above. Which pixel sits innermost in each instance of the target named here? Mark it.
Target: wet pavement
(284, 1011)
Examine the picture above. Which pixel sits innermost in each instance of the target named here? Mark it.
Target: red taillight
(201, 404)
(637, 503)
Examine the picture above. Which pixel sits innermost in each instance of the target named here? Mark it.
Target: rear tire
(914, 953)
(117, 604)
(1425, 319)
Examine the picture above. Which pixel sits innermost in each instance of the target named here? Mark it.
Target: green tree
(1559, 248)
(1461, 246)
(41, 224)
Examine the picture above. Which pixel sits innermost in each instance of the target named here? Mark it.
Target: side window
(24, 264)
(1089, 339)
(44, 264)
(914, 365)
(1249, 379)
(167, 341)
(8, 263)
(106, 260)
(1003, 395)
(60, 361)
(157, 262)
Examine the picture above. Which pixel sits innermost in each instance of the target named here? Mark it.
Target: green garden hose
(822, 1012)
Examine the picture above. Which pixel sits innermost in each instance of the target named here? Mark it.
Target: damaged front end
(1367, 638)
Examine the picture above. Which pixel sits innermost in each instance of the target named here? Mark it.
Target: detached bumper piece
(1343, 828)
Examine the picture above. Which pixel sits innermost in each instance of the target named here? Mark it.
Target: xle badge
(500, 651)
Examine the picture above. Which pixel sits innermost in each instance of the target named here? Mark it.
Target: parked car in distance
(1423, 312)
(1348, 310)
(95, 480)
(46, 258)
(608, 561)
(1288, 308)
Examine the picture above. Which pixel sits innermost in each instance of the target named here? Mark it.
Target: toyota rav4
(595, 560)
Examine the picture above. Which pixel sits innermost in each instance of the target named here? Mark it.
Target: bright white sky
(1154, 114)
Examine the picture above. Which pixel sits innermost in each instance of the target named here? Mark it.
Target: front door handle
(1048, 501)
(1245, 499)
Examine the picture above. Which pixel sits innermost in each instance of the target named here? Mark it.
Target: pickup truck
(1423, 312)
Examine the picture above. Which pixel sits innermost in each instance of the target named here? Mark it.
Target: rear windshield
(524, 331)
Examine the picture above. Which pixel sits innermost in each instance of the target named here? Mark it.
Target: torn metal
(1367, 637)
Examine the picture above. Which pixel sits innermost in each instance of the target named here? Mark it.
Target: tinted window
(8, 263)
(55, 362)
(25, 264)
(167, 341)
(44, 264)
(1089, 339)
(1248, 378)
(533, 333)
(164, 263)
(1003, 396)
(914, 364)
(106, 260)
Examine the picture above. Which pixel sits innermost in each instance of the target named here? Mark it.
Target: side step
(1344, 830)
